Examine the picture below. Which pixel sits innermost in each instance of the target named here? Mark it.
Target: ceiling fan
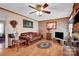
(40, 9)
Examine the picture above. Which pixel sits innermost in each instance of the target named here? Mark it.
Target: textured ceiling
(58, 10)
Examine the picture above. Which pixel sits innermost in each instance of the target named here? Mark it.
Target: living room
(24, 23)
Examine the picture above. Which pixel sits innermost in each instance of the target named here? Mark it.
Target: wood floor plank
(33, 50)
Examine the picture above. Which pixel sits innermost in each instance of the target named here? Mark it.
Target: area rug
(44, 45)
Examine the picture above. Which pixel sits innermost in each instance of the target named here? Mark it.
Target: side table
(18, 42)
(48, 36)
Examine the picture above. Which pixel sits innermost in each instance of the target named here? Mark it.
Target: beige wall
(62, 26)
(8, 16)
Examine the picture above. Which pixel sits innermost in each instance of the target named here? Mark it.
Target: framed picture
(27, 24)
(52, 25)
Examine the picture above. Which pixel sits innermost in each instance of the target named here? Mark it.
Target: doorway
(2, 34)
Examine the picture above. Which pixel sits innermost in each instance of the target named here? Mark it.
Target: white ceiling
(58, 10)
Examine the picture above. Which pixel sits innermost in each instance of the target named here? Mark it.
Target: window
(1, 28)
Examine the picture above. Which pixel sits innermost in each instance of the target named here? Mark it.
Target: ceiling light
(39, 13)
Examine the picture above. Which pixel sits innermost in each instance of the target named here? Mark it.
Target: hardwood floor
(33, 50)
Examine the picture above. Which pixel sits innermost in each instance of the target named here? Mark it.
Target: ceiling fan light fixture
(40, 9)
(39, 13)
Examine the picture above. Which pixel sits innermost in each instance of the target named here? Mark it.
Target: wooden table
(18, 42)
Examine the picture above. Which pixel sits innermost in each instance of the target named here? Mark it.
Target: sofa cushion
(36, 34)
(35, 38)
(23, 34)
(30, 36)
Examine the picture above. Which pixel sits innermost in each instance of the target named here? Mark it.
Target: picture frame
(52, 25)
(27, 24)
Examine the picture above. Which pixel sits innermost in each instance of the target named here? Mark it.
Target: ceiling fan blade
(32, 12)
(32, 7)
(48, 12)
(45, 5)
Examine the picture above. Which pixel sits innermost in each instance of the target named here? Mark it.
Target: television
(59, 35)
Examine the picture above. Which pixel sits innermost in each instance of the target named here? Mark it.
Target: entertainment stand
(60, 41)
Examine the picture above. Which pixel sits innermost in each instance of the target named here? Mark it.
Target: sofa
(30, 37)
